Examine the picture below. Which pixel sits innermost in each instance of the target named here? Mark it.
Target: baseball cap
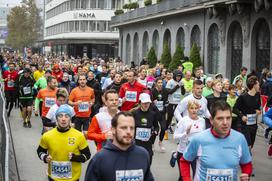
(144, 98)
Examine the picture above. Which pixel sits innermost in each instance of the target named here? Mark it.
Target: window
(84, 26)
(77, 4)
(93, 4)
(76, 26)
(71, 26)
(101, 4)
(83, 4)
(213, 49)
(101, 26)
(92, 26)
(73, 4)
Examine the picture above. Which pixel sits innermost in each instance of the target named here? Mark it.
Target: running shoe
(173, 159)
(25, 124)
(266, 133)
(29, 124)
(270, 150)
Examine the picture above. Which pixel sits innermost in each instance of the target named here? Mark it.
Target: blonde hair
(216, 81)
(193, 103)
(62, 92)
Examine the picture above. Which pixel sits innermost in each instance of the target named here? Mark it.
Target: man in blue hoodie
(120, 159)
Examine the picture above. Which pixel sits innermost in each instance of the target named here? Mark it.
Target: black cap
(27, 70)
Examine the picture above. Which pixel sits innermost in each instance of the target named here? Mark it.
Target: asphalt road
(31, 168)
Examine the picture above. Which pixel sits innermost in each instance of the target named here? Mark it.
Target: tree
(195, 56)
(178, 56)
(24, 25)
(152, 57)
(166, 56)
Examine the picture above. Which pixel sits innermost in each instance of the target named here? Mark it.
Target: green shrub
(166, 56)
(133, 5)
(158, 1)
(118, 11)
(195, 56)
(176, 61)
(126, 6)
(147, 2)
(152, 57)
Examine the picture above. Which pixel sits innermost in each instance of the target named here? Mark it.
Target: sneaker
(266, 133)
(173, 159)
(270, 150)
(29, 124)
(162, 148)
(25, 124)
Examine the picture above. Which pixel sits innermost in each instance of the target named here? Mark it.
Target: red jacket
(12, 76)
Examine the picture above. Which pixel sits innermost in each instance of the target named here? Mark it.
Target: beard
(123, 141)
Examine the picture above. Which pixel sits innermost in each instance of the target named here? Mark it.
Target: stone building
(229, 33)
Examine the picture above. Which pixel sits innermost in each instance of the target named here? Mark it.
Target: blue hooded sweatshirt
(111, 164)
(268, 118)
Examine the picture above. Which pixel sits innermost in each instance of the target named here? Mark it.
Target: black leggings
(170, 113)
(162, 125)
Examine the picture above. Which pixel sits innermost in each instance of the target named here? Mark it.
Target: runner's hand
(258, 112)
(37, 113)
(188, 130)
(70, 155)
(78, 102)
(109, 135)
(244, 119)
(48, 158)
(124, 100)
(244, 177)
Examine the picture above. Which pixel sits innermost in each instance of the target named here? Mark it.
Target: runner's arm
(42, 153)
(93, 131)
(85, 155)
(179, 110)
(37, 102)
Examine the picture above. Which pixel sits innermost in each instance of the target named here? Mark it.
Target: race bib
(129, 175)
(27, 90)
(177, 97)
(61, 170)
(219, 175)
(10, 84)
(83, 107)
(143, 134)
(251, 119)
(200, 112)
(159, 105)
(150, 84)
(50, 101)
(131, 96)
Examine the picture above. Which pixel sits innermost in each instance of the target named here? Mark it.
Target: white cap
(144, 98)
(209, 79)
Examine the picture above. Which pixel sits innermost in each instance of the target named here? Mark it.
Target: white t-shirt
(141, 81)
(52, 113)
(182, 107)
(180, 134)
(176, 97)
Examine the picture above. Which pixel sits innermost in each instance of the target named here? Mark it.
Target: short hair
(50, 78)
(12, 63)
(219, 105)
(232, 87)
(243, 68)
(110, 91)
(134, 73)
(197, 82)
(251, 81)
(114, 121)
(62, 92)
(216, 81)
(192, 103)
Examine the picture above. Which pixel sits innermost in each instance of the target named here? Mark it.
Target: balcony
(162, 8)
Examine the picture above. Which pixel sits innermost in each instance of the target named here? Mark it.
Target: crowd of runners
(124, 108)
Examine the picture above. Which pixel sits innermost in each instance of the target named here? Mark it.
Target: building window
(145, 44)
(101, 4)
(181, 38)
(213, 49)
(73, 4)
(76, 26)
(92, 26)
(84, 26)
(155, 41)
(195, 36)
(93, 4)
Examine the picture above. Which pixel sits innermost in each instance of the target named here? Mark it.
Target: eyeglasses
(61, 115)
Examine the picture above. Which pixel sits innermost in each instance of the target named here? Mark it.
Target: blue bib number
(61, 170)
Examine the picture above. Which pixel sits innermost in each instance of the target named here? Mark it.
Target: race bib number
(129, 175)
(83, 107)
(177, 96)
(159, 105)
(49, 101)
(10, 84)
(251, 119)
(27, 90)
(200, 112)
(219, 175)
(61, 170)
(150, 84)
(131, 96)
(143, 134)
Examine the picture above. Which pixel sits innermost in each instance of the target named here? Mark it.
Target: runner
(63, 148)
(217, 93)
(230, 145)
(116, 84)
(10, 77)
(188, 82)
(242, 75)
(146, 124)
(39, 73)
(108, 80)
(268, 121)
(100, 127)
(133, 161)
(25, 83)
(82, 98)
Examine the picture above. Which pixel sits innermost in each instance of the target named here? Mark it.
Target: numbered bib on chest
(143, 134)
(177, 96)
(219, 175)
(27, 90)
(83, 107)
(159, 105)
(129, 175)
(131, 96)
(49, 101)
(61, 170)
(150, 84)
(251, 119)
(10, 84)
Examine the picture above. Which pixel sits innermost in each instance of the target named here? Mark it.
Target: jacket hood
(110, 146)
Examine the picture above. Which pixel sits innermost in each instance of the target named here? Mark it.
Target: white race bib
(219, 175)
(49, 101)
(143, 134)
(27, 90)
(10, 84)
(129, 175)
(251, 119)
(61, 170)
(83, 107)
(177, 96)
(159, 105)
(150, 84)
(131, 96)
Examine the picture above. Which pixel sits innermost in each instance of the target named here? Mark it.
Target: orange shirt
(49, 99)
(85, 95)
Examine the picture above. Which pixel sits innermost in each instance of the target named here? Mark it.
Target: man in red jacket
(57, 72)
(9, 77)
(130, 92)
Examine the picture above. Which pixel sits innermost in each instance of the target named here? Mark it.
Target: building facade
(4, 11)
(229, 33)
(80, 28)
